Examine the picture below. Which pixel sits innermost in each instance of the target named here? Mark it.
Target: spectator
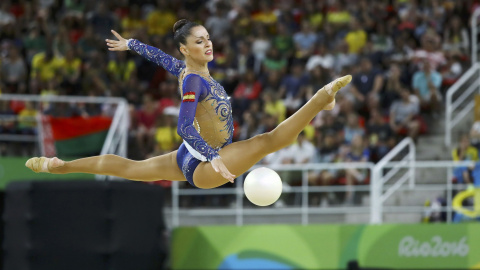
(293, 86)
(46, 67)
(320, 58)
(133, 23)
(34, 42)
(6, 17)
(88, 44)
(247, 90)
(71, 73)
(455, 37)
(393, 85)
(464, 152)
(343, 58)
(146, 118)
(260, 45)
(367, 84)
(274, 61)
(318, 77)
(283, 41)
(475, 134)
(13, 72)
(302, 152)
(26, 119)
(380, 136)
(358, 153)
(356, 38)
(121, 68)
(166, 137)
(218, 24)
(266, 16)
(403, 115)
(426, 83)
(352, 128)
(382, 41)
(7, 118)
(243, 59)
(274, 106)
(160, 21)
(249, 127)
(305, 41)
(102, 20)
(429, 51)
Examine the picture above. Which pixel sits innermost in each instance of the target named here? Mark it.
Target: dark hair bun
(179, 24)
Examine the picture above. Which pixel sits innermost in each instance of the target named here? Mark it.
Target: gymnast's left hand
(220, 168)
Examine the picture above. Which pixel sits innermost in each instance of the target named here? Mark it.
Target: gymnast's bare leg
(238, 157)
(163, 167)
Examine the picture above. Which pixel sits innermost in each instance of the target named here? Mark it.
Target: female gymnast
(207, 158)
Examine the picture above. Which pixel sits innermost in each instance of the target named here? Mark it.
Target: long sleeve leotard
(205, 122)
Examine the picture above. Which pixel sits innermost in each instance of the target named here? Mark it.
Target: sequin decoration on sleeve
(195, 90)
(168, 62)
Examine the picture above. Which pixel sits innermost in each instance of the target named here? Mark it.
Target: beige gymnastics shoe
(43, 164)
(333, 87)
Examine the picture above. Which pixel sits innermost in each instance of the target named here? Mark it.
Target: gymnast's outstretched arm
(168, 62)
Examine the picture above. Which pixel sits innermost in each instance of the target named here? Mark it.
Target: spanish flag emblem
(189, 97)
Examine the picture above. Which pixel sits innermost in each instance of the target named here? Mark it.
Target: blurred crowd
(270, 56)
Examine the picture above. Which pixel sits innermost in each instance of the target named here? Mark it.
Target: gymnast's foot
(43, 164)
(333, 87)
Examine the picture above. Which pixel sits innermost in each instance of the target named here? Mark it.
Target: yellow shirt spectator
(471, 154)
(26, 118)
(72, 67)
(276, 108)
(356, 40)
(46, 69)
(316, 20)
(338, 17)
(265, 17)
(130, 25)
(167, 138)
(121, 71)
(160, 22)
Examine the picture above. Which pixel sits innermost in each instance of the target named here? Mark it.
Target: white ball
(262, 186)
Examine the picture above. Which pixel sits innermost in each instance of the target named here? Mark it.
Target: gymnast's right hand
(117, 45)
(219, 167)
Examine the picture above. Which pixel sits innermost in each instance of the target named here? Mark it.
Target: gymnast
(207, 158)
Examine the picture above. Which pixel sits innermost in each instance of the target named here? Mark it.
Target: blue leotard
(205, 121)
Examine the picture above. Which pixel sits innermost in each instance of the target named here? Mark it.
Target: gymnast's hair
(181, 30)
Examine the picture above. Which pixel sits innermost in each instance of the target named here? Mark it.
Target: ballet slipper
(333, 87)
(43, 164)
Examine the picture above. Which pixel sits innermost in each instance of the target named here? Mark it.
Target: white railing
(463, 103)
(441, 186)
(379, 180)
(474, 32)
(116, 140)
(304, 190)
(472, 73)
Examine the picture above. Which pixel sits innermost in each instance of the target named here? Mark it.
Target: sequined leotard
(205, 122)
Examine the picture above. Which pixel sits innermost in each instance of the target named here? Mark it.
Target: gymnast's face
(199, 46)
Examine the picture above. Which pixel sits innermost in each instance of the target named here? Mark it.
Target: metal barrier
(473, 73)
(463, 103)
(116, 140)
(239, 212)
(379, 180)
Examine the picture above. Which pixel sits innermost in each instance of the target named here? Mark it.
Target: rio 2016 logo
(436, 247)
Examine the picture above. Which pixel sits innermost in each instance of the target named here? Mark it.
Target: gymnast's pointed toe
(35, 164)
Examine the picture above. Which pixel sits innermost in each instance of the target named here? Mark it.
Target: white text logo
(436, 247)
